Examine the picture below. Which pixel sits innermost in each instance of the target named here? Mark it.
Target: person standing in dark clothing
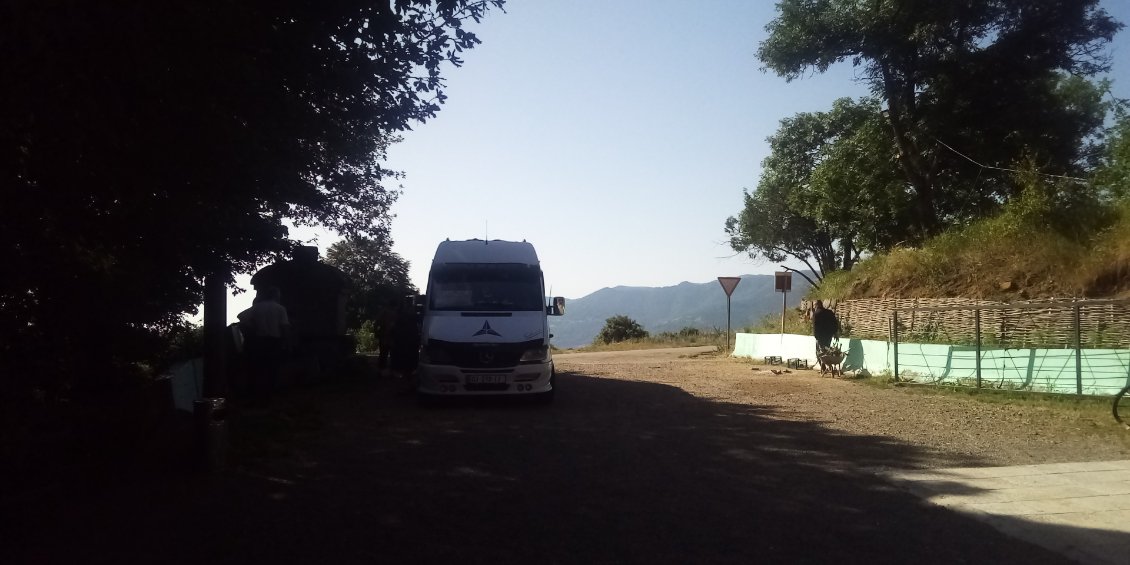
(386, 332)
(825, 327)
(405, 343)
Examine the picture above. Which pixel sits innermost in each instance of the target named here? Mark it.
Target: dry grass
(712, 338)
(1000, 258)
(1106, 272)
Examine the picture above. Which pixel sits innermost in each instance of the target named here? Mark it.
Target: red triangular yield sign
(729, 284)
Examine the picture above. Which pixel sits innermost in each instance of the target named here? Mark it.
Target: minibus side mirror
(557, 307)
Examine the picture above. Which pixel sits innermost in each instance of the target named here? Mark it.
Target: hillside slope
(1050, 236)
(1000, 258)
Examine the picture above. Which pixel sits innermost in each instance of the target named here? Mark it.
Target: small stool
(798, 363)
(773, 359)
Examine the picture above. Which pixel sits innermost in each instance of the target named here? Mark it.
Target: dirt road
(655, 457)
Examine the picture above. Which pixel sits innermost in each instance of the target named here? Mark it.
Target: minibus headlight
(434, 355)
(535, 355)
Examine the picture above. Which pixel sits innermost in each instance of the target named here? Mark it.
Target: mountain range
(671, 308)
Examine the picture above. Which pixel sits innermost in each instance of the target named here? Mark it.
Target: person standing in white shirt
(266, 332)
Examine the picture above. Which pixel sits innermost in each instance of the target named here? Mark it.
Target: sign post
(728, 285)
(783, 283)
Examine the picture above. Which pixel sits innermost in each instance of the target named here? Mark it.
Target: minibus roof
(481, 251)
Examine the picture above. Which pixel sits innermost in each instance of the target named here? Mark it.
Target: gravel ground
(661, 456)
(953, 428)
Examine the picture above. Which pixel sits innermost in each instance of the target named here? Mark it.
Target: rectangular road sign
(783, 281)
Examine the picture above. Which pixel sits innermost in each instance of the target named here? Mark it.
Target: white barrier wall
(861, 353)
(785, 346)
(1100, 372)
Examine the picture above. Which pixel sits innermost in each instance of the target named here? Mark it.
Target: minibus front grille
(483, 355)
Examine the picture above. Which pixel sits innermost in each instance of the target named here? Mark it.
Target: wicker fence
(1046, 323)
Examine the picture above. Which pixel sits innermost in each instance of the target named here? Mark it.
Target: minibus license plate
(486, 379)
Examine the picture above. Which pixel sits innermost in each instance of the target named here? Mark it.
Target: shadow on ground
(614, 472)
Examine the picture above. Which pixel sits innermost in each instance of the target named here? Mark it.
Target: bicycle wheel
(1121, 406)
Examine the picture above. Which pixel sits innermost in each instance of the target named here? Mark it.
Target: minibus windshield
(486, 287)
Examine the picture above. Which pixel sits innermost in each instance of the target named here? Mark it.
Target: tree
(145, 145)
(378, 275)
(986, 78)
(620, 328)
(830, 190)
(1113, 176)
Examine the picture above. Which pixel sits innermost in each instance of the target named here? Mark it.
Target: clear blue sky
(616, 136)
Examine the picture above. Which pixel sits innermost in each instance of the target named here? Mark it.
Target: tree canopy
(378, 276)
(829, 190)
(144, 145)
(1114, 172)
(983, 79)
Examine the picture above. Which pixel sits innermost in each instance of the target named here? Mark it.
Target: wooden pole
(977, 330)
(215, 330)
(895, 337)
(1078, 351)
(727, 323)
(784, 294)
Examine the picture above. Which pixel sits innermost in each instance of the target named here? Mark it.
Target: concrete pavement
(1080, 510)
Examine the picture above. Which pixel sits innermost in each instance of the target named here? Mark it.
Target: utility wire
(967, 158)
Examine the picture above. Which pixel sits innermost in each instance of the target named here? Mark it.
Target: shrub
(366, 337)
(771, 324)
(620, 328)
(185, 342)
